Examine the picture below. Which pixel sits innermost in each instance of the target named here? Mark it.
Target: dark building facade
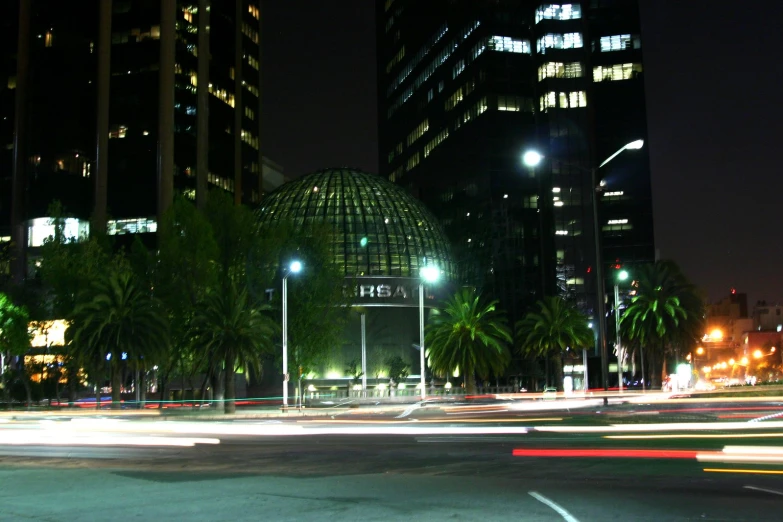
(466, 87)
(112, 106)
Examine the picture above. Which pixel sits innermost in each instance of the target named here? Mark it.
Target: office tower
(466, 87)
(119, 104)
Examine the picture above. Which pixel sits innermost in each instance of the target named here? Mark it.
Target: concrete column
(238, 108)
(102, 125)
(19, 182)
(168, 11)
(202, 108)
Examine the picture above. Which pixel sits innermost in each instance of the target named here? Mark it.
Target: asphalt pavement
(659, 461)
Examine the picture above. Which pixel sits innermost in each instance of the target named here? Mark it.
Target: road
(452, 462)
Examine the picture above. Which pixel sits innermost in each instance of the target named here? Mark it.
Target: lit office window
(559, 41)
(563, 100)
(412, 161)
(252, 62)
(254, 12)
(560, 70)
(437, 140)
(117, 131)
(620, 42)
(506, 44)
(514, 104)
(618, 71)
(222, 95)
(418, 131)
(558, 12)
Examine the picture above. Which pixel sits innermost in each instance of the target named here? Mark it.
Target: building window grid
(615, 72)
(560, 70)
(558, 12)
(619, 42)
(418, 132)
(563, 100)
(559, 41)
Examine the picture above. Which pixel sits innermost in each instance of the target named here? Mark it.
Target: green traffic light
(363, 242)
(623, 275)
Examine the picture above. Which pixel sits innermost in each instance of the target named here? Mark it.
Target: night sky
(713, 79)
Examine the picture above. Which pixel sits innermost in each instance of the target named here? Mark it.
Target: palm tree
(666, 310)
(14, 339)
(555, 328)
(469, 335)
(232, 332)
(119, 321)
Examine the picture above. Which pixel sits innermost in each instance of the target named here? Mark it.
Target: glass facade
(381, 230)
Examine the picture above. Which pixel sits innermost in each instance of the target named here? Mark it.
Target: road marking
(568, 517)
(772, 491)
(754, 471)
(766, 417)
(410, 409)
(473, 412)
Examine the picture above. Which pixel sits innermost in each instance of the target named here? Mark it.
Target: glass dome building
(381, 229)
(383, 237)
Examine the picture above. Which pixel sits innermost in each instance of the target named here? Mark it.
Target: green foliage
(229, 330)
(119, 317)
(14, 334)
(666, 310)
(398, 368)
(318, 307)
(354, 370)
(556, 326)
(470, 335)
(552, 329)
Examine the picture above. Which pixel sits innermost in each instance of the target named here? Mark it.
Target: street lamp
(294, 268)
(430, 274)
(599, 274)
(621, 276)
(532, 159)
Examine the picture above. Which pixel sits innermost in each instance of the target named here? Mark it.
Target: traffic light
(363, 241)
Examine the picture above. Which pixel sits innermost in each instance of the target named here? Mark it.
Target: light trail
(671, 426)
(753, 471)
(698, 436)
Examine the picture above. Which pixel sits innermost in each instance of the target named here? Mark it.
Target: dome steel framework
(380, 229)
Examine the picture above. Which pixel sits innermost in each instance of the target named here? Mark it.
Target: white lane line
(772, 491)
(410, 409)
(568, 517)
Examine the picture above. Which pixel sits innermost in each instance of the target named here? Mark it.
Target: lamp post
(621, 276)
(429, 274)
(599, 269)
(532, 159)
(295, 267)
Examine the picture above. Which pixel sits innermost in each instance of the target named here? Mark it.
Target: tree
(230, 331)
(665, 311)
(354, 370)
(469, 335)
(119, 321)
(556, 327)
(398, 369)
(318, 306)
(182, 272)
(14, 338)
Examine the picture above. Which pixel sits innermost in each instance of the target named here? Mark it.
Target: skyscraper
(118, 104)
(466, 87)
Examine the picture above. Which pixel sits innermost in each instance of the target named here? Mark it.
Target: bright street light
(700, 351)
(294, 268)
(622, 275)
(430, 274)
(635, 145)
(531, 158)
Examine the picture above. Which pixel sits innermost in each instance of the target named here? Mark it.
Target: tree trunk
(470, 382)
(98, 395)
(73, 379)
(231, 406)
(142, 389)
(116, 388)
(203, 391)
(161, 390)
(558, 363)
(26, 383)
